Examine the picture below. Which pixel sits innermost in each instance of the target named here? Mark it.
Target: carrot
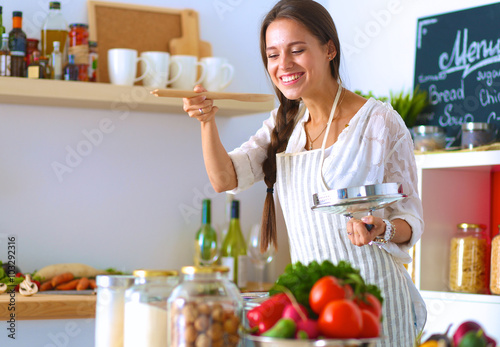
(68, 285)
(92, 284)
(62, 278)
(47, 285)
(83, 284)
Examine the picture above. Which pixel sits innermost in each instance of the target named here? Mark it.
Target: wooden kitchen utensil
(176, 93)
(189, 43)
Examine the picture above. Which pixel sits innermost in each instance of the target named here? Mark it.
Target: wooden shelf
(23, 91)
(48, 306)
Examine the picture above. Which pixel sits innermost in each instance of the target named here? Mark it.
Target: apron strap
(332, 112)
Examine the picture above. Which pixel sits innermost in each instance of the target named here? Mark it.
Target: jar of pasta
(468, 259)
(204, 309)
(495, 265)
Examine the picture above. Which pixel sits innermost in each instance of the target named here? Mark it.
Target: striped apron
(322, 236)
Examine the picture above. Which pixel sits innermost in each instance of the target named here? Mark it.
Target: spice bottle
(5, 56)
(93, 61)
(468, 257)
(204, 309)
(495, 265)
(110, 306)
(146, 308)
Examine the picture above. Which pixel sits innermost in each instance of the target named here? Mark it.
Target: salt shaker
(110, 305)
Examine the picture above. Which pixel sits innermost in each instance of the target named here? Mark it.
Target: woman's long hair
(320, 24)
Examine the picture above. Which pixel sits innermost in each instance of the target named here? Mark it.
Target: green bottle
(2, 28)
(234, 249)
(206, 239)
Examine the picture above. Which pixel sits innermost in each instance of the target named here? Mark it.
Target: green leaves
(300, 278)
(408, 105)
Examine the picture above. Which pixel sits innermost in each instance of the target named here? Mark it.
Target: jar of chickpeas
(495, 265)
(468, 259)
(204, 309)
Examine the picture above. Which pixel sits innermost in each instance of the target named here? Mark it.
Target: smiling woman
(322, 137)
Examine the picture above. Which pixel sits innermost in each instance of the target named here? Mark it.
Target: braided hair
(319, 22)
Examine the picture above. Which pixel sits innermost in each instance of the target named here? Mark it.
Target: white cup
(219, 74)
(159, 67)
(189, 65)
(122, 66)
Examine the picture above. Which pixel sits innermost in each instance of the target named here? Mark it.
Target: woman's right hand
(200, 107)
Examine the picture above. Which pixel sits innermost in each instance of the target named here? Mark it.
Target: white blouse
(376, 147)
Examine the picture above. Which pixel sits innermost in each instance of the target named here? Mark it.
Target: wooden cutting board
(189, 43)
(177, 93)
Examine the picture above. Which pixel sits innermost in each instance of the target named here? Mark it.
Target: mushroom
(3, 288)
(28, 288)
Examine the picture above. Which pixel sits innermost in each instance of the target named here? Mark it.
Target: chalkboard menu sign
(458, 64)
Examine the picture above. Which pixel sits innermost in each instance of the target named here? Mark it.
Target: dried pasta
(467, 265)
(495, 266)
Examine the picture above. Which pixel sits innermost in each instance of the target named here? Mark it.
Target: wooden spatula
(176, 93)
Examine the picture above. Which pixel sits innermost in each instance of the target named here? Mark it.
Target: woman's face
(296, 61)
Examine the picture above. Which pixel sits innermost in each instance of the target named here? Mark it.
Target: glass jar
(428, 138)
(79, 47)
(110, 305)
(476, 134)
(495, 265)
(146, 308)
(468, 257)
(204, 309)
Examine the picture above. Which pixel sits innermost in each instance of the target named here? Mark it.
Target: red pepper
(268, 312)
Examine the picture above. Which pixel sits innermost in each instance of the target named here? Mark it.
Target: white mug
(219, 74)
(159, 66)
(122, 66)
(187, 79)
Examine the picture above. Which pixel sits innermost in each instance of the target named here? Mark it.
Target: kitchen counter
(60, 306)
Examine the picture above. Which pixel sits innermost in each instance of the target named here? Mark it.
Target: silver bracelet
(390, 231)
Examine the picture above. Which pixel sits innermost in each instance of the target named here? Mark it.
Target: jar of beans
(204, 309)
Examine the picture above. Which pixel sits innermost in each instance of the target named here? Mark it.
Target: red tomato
(326, 289)
(371, 304)
(371, 324)
(341, 319)
(349, 293)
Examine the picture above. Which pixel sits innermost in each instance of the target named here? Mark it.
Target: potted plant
(408, 105)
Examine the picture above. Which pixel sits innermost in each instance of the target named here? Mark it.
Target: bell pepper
(268, 312)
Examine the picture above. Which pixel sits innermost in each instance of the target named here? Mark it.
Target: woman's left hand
(359, 235)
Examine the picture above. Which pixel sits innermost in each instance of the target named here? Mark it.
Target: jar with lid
(79, 48)
(146, 308)
(204, 309)
(110, 306)
(468, 259)
(476, 134)
(495, 265)
(428, 138)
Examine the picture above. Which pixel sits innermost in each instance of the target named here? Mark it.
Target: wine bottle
(206, 238)
(234, 249)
